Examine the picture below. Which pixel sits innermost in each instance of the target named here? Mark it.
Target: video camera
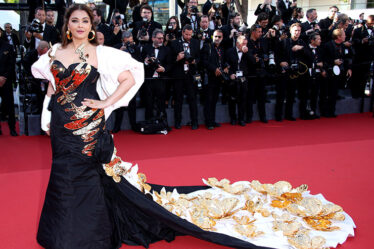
(35, 26)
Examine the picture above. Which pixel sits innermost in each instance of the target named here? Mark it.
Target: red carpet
(333, 156)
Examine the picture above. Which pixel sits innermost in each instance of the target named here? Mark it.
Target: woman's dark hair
(175, 18)
(68, 13)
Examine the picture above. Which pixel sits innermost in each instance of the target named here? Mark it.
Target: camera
(294, 65)
(187, 56)
(130, 47)
(142, 33)
(153, 61)
(197, 80)
(194, 10)
(117, 19)
(35, 26)
(271, 60)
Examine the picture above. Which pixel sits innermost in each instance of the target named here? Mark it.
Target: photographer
(263, 21)
(297, 16)
(363, 43)
(204, 34)
(239, 61)
(191, 17)
(231, 31)
(316, 76)
(327, 24)
(213, 56)
(117, 21)
(339, 63)
(111, 36)
(275, 35)
(267, 8)
(32, 85)
(228, 9)
(310, 26)
(215, 17)
(7, 64)
(172, 31)
(127, 45)
(143, 30)
(39, 30)
(186, 56)
(256, 85)
(292, 74)
(136, 16)
(157, 62)
(11, 37)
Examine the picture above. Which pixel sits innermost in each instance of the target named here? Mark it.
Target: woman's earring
(68, 34)
(92, 35)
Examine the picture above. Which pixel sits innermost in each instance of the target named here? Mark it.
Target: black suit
(228, 42)
(12, 38)
(189, 20)
(154, 87)
(213, 57)
(286, 87)
(7, 65)
(149, 26)
(285, 12)
(324, 24)
(238, 87)
(256, 85)
(315, 79)
(335, 51)
(364, 56)
(185, 80)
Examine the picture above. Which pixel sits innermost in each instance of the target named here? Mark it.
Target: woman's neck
(77, 43)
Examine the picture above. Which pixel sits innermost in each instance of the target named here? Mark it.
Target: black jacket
(7, 59)
(177, 47)
(287, 55)
(213, 57)
(163, 56)
(306, 26)
(324, 24)
(364, 51)
(50, 34)
(232, 58)
(30, 58)
(335, 51)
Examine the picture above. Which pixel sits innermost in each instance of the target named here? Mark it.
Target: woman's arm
(126, 81)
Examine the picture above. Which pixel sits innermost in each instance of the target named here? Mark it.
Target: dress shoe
(194, 126)
(233, 122)
(13, 133)
(178, 126)
(248, 121)
(332, 115)
(242, 123)
(210, 127)
(264, 120)
(217, 124)
(290, 118)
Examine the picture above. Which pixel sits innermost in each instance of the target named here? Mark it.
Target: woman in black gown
(94, 200)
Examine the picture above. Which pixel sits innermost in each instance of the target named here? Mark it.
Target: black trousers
(211, 98)
(256, 93)
(155, 95)
(329, 93)
(189, 86)
(286, 89)
(7, 104)
(238, 99)
(131, 111)
(314, 91)
(360, 74)
(303, 90)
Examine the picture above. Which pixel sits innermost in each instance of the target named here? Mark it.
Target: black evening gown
(84, 208)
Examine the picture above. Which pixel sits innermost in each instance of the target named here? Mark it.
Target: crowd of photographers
(210, 53)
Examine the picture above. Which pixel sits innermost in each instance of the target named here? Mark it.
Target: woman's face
(173, 23)
(79, 24)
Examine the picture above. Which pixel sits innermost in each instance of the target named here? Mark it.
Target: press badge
(186, 67)
(346, 51)
(239, 73)
(155, 75)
